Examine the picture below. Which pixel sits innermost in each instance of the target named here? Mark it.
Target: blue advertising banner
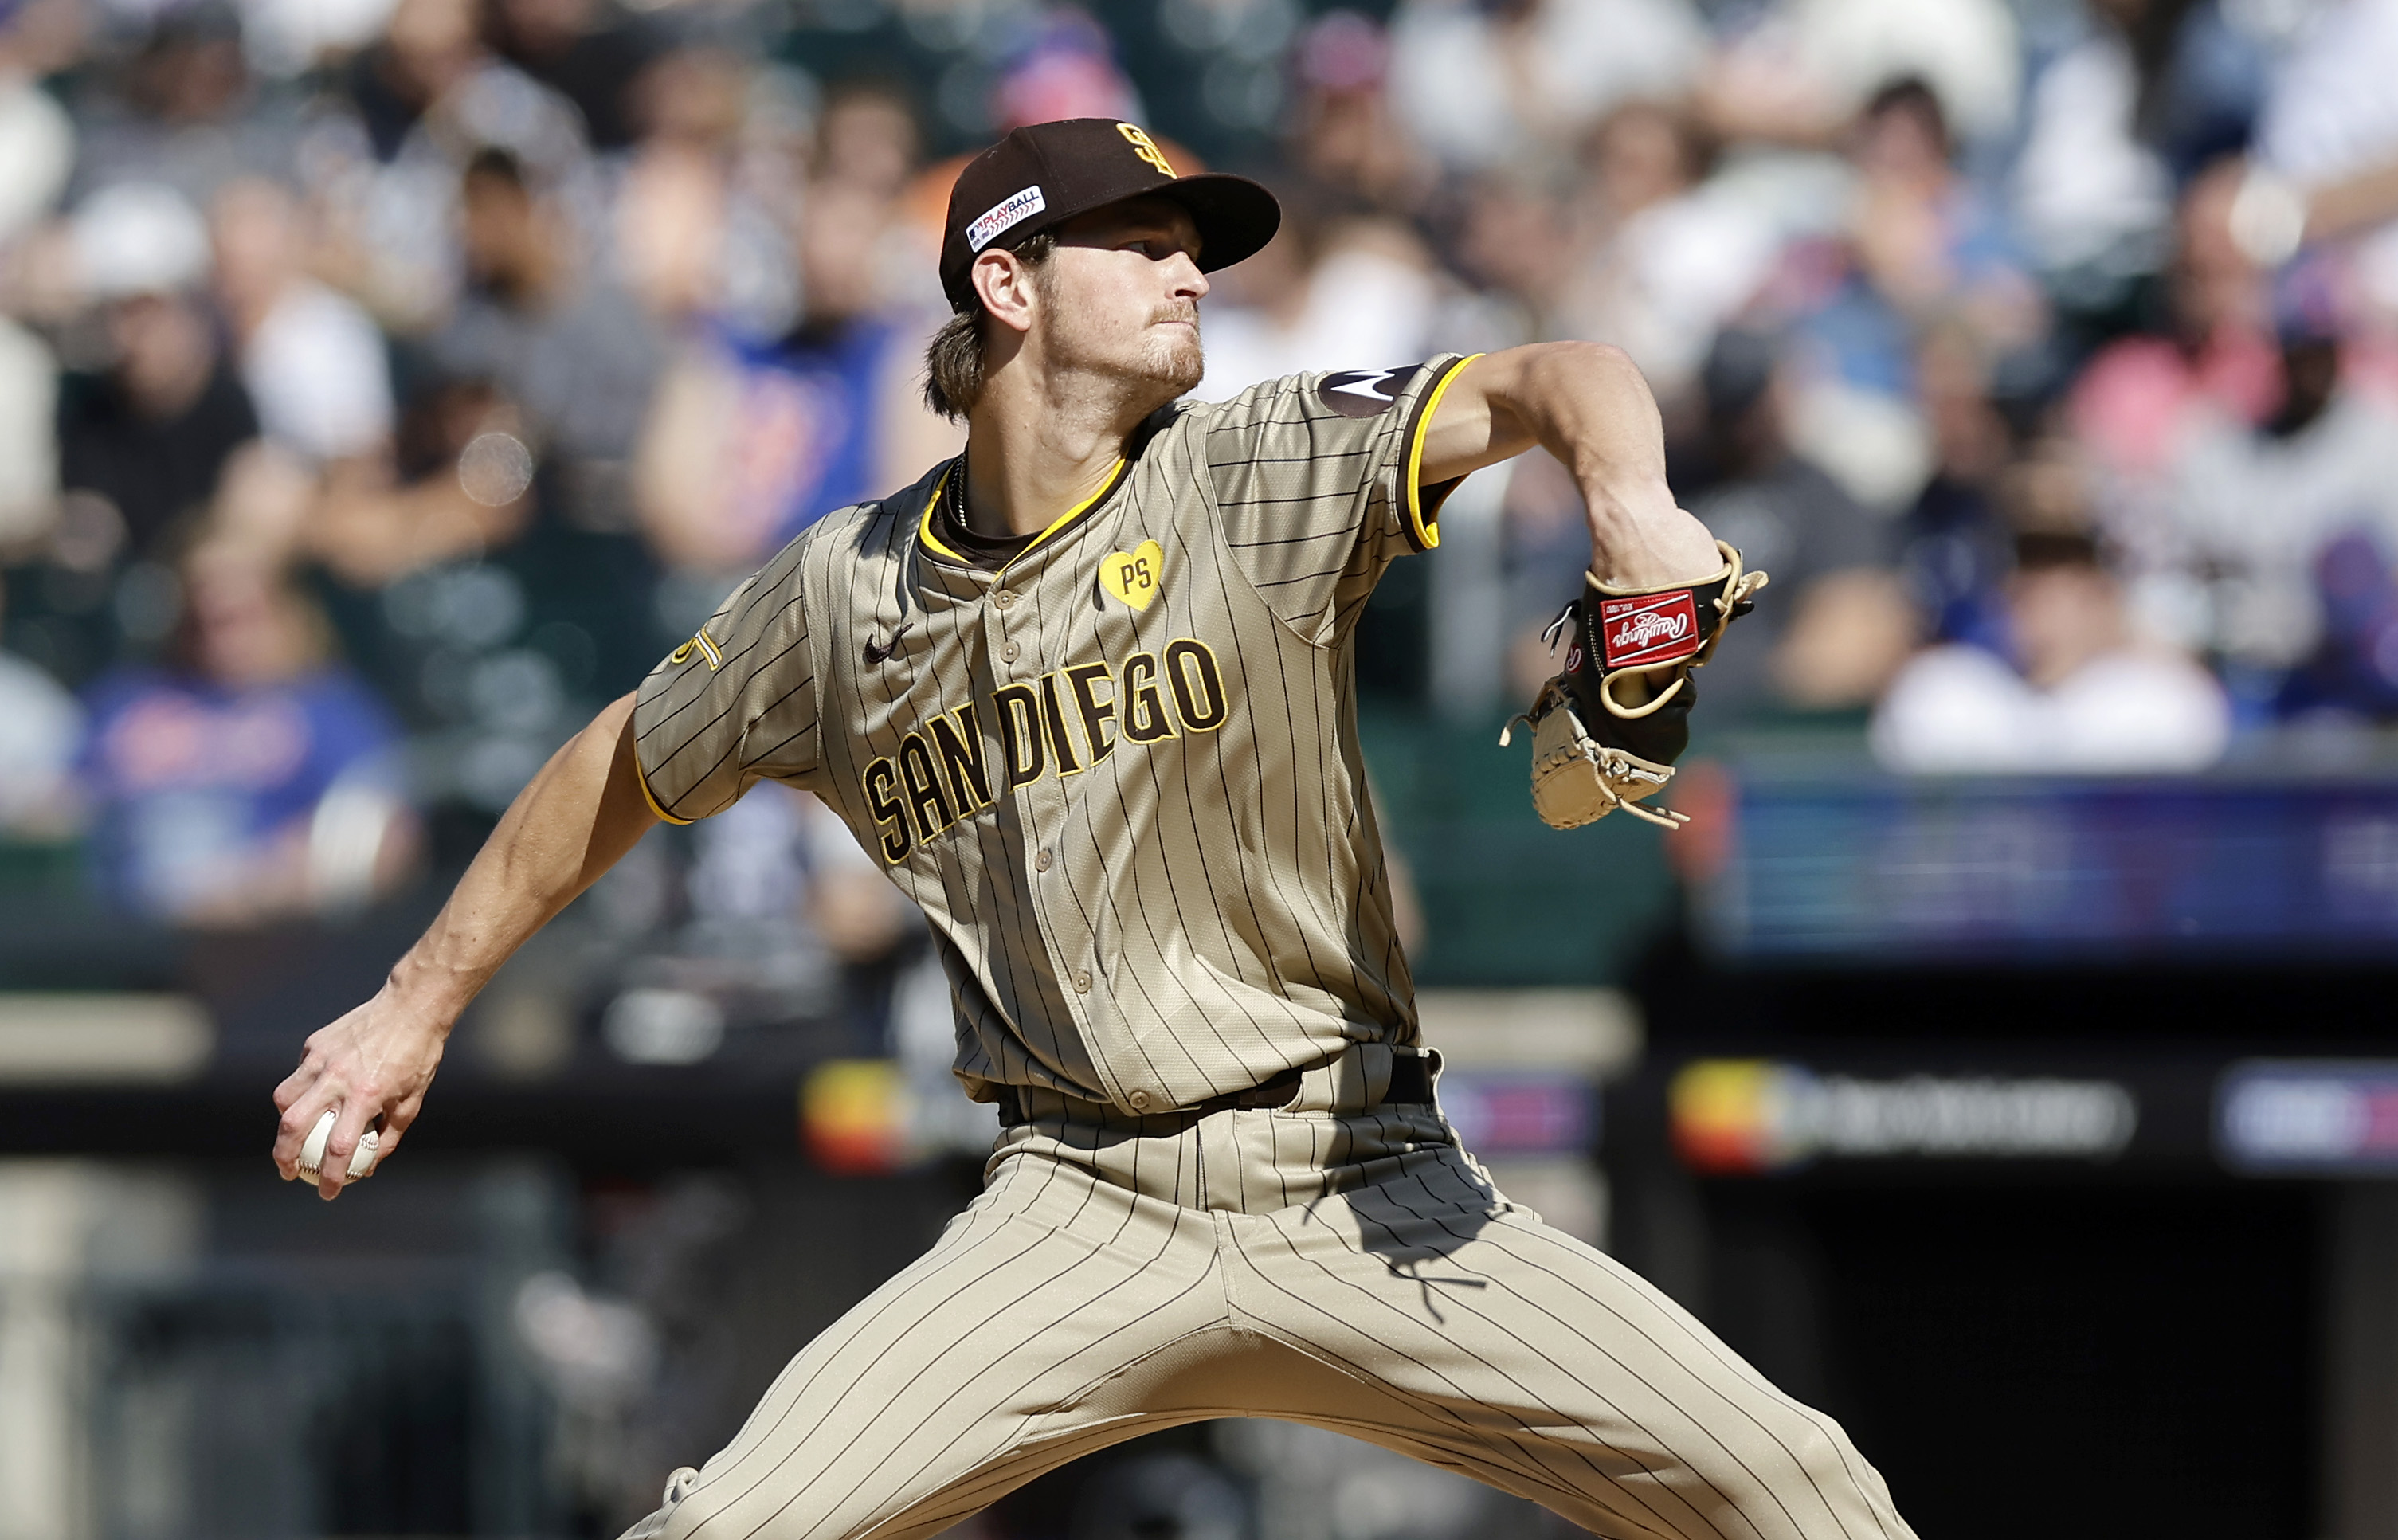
(1845, 866)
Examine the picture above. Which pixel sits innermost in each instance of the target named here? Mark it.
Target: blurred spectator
(1062, 64)
(456, 482)
(181, 110)
(2152, 92)
(431, 79)
(1667, 257)
(41, 727)
(151, 434)
(580, 51)
(1322, 292)
(37, 139)
(1805, 68)
(1516, 249)
(285, 38)
(2080, 696)
(2353, 671)
(1925, 239)
(2144, 401)
(2141, 395)
(867, 137)
(311, 358)
(250, 779)
(2327, 145)
(29, 438)
(1921, 246)
(750, 443)
(704, 210)
(1955, 547)
(2259, 507)
(1482, 83)
(1340, 131)
(559, 341)
(419, 105)
(1838, 624)
(37, 147)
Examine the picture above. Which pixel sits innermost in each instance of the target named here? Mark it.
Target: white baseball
(312, 1153)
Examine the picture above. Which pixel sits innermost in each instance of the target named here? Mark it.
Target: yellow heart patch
(1134, 577)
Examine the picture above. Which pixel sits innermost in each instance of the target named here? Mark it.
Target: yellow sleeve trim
(642, 778)
(925, 529)
(1427, 535)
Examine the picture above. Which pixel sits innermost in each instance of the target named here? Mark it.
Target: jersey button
(1004, 599)
(1010, 653)
(1082, 983)
(1040, 862)
(1139, 1100)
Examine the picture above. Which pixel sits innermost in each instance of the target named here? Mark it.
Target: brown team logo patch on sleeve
(1365, 392)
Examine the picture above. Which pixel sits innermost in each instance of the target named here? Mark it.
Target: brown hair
(956, 357)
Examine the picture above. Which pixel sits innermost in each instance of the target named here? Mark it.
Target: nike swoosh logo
(884, 652)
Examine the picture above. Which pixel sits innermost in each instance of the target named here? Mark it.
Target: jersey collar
(1072, 516)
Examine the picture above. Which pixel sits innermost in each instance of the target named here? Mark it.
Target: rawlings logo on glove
(1658, 630)
(1607, 731)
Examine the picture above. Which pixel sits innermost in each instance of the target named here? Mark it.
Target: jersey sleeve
(736, 703)
(1316, 480)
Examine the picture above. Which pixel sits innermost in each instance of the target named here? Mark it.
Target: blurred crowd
(386, 383)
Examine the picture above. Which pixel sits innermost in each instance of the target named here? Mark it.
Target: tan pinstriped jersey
(1120, 774)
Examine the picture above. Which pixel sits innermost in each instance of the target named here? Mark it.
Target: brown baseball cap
(1041, 175)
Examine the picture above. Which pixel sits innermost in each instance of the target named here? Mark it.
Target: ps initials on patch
(1134, 576)
(1648, 629)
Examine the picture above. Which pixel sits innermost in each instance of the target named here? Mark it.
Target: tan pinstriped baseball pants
(1357, 1271)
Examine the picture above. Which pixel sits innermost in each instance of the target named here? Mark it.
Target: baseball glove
(1606, 732)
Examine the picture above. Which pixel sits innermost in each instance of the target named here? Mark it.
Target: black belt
(1410, 1086)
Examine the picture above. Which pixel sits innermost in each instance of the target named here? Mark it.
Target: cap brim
(1235, 216)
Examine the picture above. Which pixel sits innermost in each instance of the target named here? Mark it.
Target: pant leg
(1481, 1339)
(1056, 1315)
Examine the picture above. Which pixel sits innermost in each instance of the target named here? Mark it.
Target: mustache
(1185, 312)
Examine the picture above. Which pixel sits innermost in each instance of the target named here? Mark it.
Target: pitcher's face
(1121, 296)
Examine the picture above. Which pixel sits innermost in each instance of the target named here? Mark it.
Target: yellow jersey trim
(1427, 535)
(1115, 478)
(642, 778)
(925, 530)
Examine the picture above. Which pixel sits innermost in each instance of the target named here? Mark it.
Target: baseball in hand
(312, 1153)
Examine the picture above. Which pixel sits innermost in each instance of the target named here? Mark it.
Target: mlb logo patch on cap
(1001, 217)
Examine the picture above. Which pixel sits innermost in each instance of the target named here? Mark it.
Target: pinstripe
(1525, 1347)
(1302, 1303)
(1723, 1358)
(930, 1411)
(962, 1407)
(1480, 1455)
(1249, 498)
(1187, 914)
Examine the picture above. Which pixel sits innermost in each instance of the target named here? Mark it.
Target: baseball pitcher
(1087, 691)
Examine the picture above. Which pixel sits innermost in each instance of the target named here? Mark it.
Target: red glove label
(1658, 628)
